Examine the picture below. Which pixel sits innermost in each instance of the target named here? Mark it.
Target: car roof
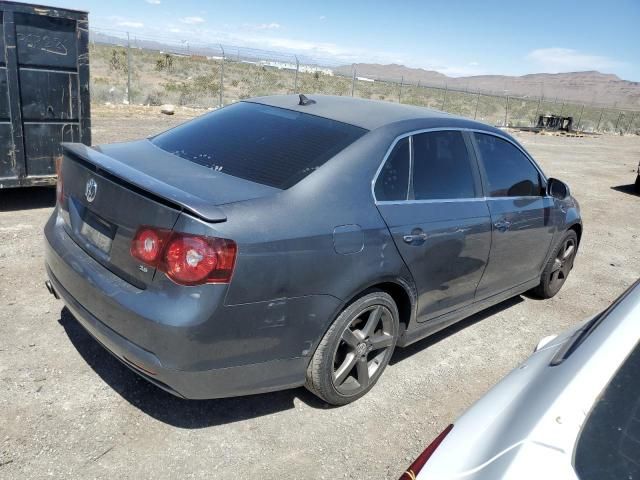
(368, 114)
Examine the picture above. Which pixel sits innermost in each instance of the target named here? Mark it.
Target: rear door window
(509, 172)
(442, 168)
(260, 143)
(393, 180)
(609, 444)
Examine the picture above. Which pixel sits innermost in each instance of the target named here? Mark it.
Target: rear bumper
(218, 383)
(192, 347)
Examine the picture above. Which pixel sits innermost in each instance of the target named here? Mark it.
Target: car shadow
(628, 189)
(27, 198)
(195, 414)
(402, 353)
(167, 408)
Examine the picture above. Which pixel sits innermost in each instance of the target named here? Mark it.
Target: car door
(522, 227)
(429, 193)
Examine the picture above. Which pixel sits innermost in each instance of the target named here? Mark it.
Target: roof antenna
(305, 101)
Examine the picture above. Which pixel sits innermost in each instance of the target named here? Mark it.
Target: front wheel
(355, 350)
(558, 267)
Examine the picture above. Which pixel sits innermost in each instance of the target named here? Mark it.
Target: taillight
(147, 244)
(413, 471)
(59, 187)
(186, 259)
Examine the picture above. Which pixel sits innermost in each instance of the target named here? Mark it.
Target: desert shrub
(118, 60)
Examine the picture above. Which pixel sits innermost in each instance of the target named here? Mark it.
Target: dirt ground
(69, 410)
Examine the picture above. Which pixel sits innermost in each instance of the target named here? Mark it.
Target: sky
(454, 37)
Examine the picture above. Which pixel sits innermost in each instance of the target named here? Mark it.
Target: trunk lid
(111, 191)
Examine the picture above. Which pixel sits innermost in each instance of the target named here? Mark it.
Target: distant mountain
(581, 87)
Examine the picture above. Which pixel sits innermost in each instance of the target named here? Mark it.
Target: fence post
(128, 69)
(444, 98)
(353, 78)
(561, 109)
(580, 118)
(221, 77)
(400, 90)
(535, 118)
(629, 124)
(295, 82)
(477, 101)
(617, 122)
(506, 112)
(600, 119)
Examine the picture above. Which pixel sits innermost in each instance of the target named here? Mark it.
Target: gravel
(69, 410)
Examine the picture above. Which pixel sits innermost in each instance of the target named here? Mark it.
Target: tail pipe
(52, 290)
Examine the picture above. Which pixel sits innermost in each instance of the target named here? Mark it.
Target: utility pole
(444, 98)
(400, 90)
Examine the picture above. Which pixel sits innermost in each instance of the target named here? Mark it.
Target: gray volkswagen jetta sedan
(286, 241)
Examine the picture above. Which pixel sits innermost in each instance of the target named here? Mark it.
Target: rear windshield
(609, 445)
(267, 145)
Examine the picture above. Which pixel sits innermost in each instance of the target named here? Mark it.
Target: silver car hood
(528, 424)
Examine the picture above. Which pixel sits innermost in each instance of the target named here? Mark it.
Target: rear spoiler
(143, 183)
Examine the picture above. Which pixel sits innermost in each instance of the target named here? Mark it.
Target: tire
(637, 185)
(558, 266)
(347, 364)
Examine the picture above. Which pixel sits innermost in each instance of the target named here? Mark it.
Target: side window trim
(474, 151)
(475, 163)
(410, 182)
(483, 173)
(385, 159)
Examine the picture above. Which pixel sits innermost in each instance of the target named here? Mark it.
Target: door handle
(502, 225)
(414, 237)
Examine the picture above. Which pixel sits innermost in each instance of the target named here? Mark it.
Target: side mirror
(557, 189)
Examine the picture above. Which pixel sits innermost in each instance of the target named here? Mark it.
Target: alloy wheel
(363, 350)
(562, 264)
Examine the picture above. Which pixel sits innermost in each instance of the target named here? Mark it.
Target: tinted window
(267, 145)
(393, 181)
(609, 445)
(441, 166)
(509, 171)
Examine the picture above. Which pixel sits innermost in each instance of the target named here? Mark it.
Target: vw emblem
(91, 190)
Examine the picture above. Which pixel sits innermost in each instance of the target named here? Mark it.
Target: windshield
(609, 445)
(264, 144)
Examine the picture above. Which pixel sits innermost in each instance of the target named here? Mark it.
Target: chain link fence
(156, 71)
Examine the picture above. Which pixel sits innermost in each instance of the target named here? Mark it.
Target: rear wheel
(558, 267)
(355, 350)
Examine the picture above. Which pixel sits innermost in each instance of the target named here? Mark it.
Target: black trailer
(44, 90)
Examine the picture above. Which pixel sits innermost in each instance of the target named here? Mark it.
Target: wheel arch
(401, 291)
(576, 227)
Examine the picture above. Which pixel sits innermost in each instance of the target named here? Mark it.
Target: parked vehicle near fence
(44, 90)
(570, 411)
(285, 241)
